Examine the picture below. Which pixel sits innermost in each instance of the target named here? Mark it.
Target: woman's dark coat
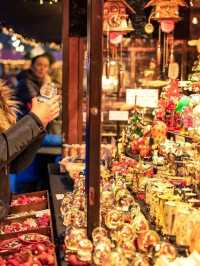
(18, 146)
(28, 87)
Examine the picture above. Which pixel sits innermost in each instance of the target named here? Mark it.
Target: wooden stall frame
(65, 78)
(93, 124)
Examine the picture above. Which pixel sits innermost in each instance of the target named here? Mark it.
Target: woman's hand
(46, 111)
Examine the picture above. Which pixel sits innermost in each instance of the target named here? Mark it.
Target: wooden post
(75, 91)
(93, 127)
(72, 91)
(82, 48)
(65, 83)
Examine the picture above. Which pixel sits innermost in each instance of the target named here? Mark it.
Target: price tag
(142, 97)
(59, 196)
(118, 115)
(131, 96)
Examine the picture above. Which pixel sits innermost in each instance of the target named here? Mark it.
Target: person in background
(20, 140)
(31, 81)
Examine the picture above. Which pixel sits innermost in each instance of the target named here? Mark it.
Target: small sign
(59, 196)
(118, 115)
(142, 97)
(131, 96)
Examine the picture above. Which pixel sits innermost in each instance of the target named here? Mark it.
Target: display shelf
(59, 184)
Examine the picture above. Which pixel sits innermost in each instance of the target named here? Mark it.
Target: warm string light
(19, 42)
(48, 1)
(42, 2)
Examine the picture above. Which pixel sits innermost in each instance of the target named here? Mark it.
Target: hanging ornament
(166, 12)
(116, 24)
(116, 16)
(167, 26)
(149, 28)
(115, 38)
(173, 70)
(166, 9)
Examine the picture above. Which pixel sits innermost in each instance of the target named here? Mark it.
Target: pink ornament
(167, 26)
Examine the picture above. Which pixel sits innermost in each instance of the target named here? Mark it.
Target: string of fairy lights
(19, 42)
(49, 1)
(42, 2)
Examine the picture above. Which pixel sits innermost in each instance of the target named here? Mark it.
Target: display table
(59, 184)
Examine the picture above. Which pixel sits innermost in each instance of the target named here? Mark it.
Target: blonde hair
(8, 107)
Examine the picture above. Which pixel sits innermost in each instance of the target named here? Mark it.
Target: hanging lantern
(116, 18)
(166, 12)
(116, 24)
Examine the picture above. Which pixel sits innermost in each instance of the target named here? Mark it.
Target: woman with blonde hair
(20, 140)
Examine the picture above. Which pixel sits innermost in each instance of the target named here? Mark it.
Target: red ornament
(145, 150)
(142, 141)
(171, 106)
(116, 38)
(167, 26)
(74, 261)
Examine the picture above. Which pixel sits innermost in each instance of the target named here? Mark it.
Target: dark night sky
(44, 22)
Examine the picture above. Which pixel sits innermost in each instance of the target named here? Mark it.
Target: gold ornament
(149, 28)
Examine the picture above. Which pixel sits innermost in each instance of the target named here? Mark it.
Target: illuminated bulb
(195, 21)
